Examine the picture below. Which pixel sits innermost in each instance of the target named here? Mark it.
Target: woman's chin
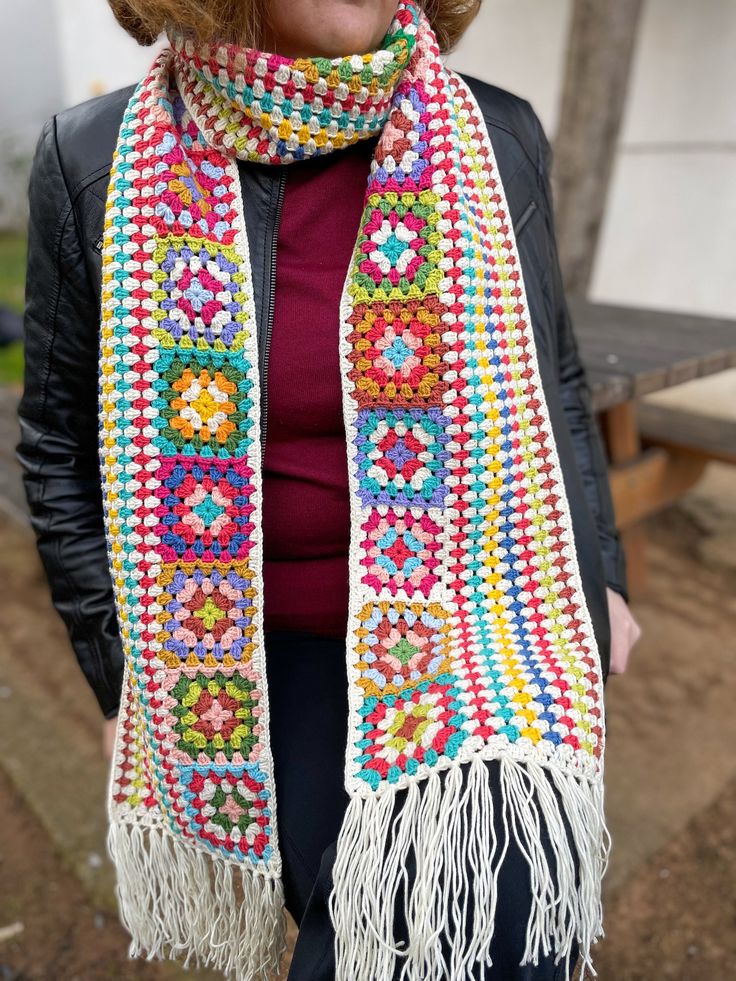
(329, 28)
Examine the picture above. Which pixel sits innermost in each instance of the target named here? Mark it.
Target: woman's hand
(108, 737)
(625, 631)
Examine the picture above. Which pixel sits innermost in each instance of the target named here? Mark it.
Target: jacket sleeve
(58, 427)
(577, 403)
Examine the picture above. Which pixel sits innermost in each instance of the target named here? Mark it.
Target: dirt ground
(671, 898)
(61, 934)
(676, 918)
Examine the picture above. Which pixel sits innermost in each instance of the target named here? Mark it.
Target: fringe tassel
(177, 901)
(444, 826)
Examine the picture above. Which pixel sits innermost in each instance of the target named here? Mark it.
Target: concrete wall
(95, 55)
(31, 84)
(669, 235)
(519, 45)
(53, 54)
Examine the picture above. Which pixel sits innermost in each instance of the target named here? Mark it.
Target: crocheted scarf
(468, 636)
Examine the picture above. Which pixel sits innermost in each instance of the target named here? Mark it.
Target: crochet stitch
(468, 635)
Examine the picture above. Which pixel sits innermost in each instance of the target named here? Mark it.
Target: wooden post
(600, 48)
(621, 434)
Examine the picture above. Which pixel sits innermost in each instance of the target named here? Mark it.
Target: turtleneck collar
(264, 107)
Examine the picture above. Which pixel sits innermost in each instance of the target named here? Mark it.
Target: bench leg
(621, 434)
(634, 541)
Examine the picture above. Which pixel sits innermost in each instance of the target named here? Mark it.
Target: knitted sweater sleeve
(58, 425)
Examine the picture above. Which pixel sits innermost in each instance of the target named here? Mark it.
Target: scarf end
(416, 875)
(180, 903)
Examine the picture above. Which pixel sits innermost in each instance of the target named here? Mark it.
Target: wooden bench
(656, 453)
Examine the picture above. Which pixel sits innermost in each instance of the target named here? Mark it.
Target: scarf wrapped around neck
(468, 636)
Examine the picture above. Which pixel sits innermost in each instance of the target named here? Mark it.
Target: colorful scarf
(468, 635)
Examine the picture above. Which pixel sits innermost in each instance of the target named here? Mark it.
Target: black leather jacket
(58, 448)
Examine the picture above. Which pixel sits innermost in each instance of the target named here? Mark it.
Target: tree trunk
(600, 48)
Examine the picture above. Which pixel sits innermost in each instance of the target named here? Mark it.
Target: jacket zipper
(525, 216)
(271, 306)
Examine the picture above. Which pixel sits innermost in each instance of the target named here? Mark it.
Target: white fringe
(449, 831)
(178, 901)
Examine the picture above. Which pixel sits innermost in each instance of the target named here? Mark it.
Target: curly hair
(242, 20)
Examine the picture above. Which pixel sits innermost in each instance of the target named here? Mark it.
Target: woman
(302, 254)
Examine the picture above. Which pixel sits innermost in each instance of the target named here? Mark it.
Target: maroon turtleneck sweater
(306, 512)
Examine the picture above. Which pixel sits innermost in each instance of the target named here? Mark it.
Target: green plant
(12, 283)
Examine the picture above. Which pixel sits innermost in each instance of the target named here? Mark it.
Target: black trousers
(307, 679)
